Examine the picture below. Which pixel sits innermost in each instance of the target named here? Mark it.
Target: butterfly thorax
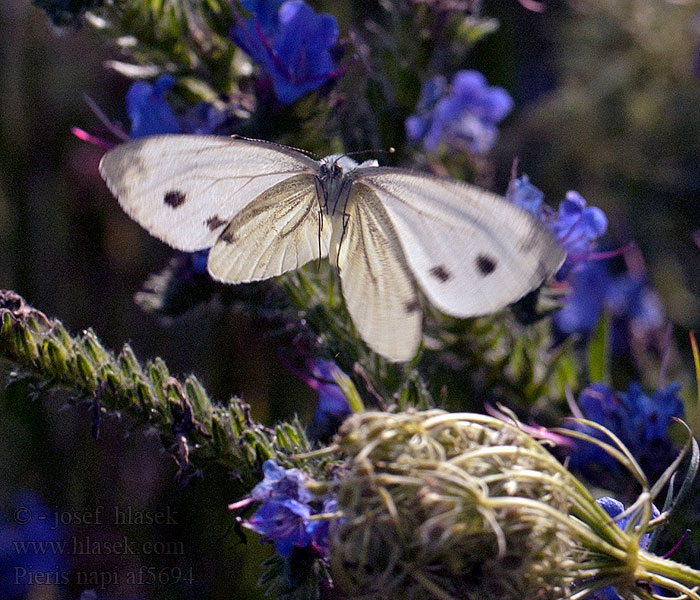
(333, 189)
(333, 186)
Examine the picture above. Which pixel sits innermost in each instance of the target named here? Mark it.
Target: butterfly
(265, 209)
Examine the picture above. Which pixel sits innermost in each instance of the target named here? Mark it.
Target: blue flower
(320, 375)
(320, 528)
(576, 225)
(526, 196)
(466, 116)
(636, 311)
(584, 305)
(634, 308)
(148, 109)
(291, 43)
(151, 114)
(198, 261)
(614, 507)
(20, 550)
(285, 511)
(332, 407)
(638, 420)
(281, 484)
(284, 523)
(202, 119)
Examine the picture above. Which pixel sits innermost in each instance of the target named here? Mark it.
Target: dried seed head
(440, 505)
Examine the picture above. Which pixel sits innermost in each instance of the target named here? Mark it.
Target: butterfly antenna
(308, 153)
(389, 150)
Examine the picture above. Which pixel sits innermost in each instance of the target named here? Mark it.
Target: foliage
(408, 500)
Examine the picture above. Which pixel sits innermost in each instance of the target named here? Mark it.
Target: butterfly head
(337, 164)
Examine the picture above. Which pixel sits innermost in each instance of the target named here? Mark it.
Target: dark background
(607, 103)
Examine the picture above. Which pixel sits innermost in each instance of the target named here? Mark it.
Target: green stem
(196, 429)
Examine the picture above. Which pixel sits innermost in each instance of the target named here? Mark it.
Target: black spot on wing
(485, 264)
(174, 198)
(214, 222)
(441, 273)
(411, 306)
(228, 237)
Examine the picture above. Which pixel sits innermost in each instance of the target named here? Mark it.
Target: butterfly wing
(281, 230)
(377, 285)
(472, 252)
(184, 189)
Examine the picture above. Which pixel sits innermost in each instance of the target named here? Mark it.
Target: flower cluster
(285, 516)
(634, 308)
(463, 116)
(150, 112)
(576, 225)
(291, 43)
(638, 420)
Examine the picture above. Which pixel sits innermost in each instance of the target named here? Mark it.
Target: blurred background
(607, 102)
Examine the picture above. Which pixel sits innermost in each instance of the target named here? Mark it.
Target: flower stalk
(195, 429)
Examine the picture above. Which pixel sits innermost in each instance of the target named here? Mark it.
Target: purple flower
(577, 226)
(284, 523)
(29, 544)
(332, 407)
(526, 196)
(290, 42)
(281, 484)
(584, 305)
(148, 109)
(320, 528)
(635, 309)
(285, 511)
(614, 507)
(466, 116)
(638, 420)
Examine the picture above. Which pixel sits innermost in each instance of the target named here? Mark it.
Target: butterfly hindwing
(281, 230)
(472, 252)
(184, 189)
(377, 285)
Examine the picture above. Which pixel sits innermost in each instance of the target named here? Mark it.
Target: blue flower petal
(464, 116)
(525, 195)
(293, 48)
(148, 109)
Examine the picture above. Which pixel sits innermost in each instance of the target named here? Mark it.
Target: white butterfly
(265, 209)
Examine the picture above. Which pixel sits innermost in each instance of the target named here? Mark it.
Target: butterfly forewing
(377, 285)
(472, 252)
(262, 210)
(281, 230)
(184, 189)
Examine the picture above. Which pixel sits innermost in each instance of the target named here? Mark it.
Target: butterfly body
(265, 209)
